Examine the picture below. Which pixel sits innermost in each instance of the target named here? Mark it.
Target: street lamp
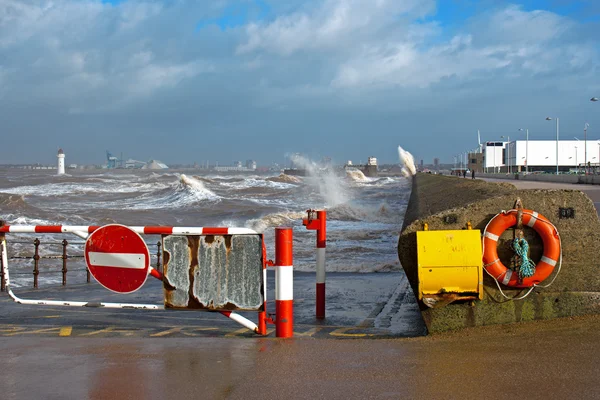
(576, 164)
(507, 153)
(550, 119)
(526, 149)
(585, 151)
(594, 99)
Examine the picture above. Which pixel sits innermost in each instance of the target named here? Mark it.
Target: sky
(189, 81)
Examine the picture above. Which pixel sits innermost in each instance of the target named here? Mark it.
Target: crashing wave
(196, 187)
(283, 178)
(407, 161)
(272, 220)
(356, 175)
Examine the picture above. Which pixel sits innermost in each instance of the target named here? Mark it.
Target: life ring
(550, 239)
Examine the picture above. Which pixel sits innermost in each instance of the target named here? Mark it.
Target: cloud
(334, 24)
(358, 73)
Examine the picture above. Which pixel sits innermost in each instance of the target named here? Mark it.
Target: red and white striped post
(320, 225)
(284, 283)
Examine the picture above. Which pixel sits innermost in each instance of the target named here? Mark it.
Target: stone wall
(575, 289)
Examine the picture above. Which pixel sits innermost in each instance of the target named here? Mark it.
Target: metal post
(284, 283)
(2, 279)
(36, 260)
(321, 245)
(158, 266)
(527, 152)
(317, 220)
(585, 144)
(556, 145)
(262, 315)
(64, 258)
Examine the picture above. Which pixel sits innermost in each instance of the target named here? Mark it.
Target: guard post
(317, 220)
(284, 283)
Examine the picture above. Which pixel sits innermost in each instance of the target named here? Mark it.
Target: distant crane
(112, 161)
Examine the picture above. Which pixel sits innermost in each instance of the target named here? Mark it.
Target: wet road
(544, 360)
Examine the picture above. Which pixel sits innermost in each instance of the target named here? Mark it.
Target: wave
(13, 202)
(186, 192)
(273, 220)
(352, 212)
(283, 178)
(356, 175)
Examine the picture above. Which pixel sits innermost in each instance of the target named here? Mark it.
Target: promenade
(540, 360)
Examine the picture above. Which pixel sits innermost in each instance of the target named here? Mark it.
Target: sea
(364, 215)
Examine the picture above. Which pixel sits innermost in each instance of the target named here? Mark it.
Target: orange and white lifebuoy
(550, 239)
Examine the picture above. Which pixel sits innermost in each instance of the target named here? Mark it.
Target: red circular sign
(118, 258)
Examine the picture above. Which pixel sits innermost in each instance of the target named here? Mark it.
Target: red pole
(321, 245)
(319, 224)
(262, 316)
(284, 283)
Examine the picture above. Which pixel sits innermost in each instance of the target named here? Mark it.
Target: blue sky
(184, 81)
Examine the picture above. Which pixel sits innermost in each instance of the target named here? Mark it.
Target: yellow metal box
(449, 262)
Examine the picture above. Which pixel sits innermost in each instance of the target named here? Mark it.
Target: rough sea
(364, 214)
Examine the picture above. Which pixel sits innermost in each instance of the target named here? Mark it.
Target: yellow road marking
(111, 329)
(65, 331)
(45, 330)
(238, 332)
(308, 333)
(9, 329)
(341, 332)
(185, 330)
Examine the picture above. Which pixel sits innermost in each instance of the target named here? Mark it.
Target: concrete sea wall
(576, 287)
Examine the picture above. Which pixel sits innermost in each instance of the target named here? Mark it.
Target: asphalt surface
(71, 353)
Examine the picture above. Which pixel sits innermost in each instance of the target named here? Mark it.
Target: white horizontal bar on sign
(119, 260)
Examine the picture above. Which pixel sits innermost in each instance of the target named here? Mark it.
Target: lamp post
(585, 148)
(526, 149)
(576, 164)
(507, 153)
(550, 119)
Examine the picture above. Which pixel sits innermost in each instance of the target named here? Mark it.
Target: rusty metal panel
(213, 272)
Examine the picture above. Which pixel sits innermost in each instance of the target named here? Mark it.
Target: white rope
(534, 286)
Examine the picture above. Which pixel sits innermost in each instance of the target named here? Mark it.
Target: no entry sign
(117, 258)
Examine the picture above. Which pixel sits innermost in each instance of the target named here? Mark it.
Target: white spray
(324, 180)
(407, 162)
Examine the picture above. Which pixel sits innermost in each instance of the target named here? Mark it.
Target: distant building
(237, 167)
(131, 163)
(540, 155)
(154, 164)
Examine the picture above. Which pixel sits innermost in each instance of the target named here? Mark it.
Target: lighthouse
(61, 162)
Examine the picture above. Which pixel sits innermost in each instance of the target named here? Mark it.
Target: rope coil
(525, 266)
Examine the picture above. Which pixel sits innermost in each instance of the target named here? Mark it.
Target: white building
(540, 155)
(61, 162)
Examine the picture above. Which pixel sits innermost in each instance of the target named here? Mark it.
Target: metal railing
(36, 257)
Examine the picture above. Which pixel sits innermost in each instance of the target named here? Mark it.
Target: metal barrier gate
(212, 269)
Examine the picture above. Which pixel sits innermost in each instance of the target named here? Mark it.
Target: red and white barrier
(284, 272)
(83, 231)
(284, 283)
(320, 225)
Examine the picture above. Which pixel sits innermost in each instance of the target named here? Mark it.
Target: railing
(36, 257)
